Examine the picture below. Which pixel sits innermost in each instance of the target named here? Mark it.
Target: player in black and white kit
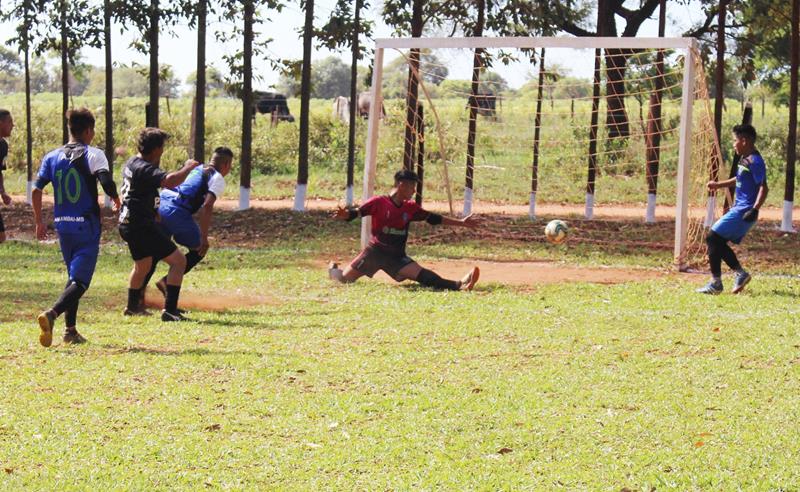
(6, 125)
(141, 180)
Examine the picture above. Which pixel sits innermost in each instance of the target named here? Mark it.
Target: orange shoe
(470, 279)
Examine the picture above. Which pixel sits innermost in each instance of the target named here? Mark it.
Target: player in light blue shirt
(196, 195)
(74, 171)
(751, 192)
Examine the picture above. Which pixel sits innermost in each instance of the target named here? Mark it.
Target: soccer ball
(556, 231)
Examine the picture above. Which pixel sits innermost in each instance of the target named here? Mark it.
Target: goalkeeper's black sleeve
(107, 182)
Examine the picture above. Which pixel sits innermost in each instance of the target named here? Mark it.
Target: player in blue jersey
(202, 188)
(141, 180)
(6, 125)
(74, 171)
(751, 191)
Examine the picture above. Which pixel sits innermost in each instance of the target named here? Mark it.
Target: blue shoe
(740, 281)
(714, 287)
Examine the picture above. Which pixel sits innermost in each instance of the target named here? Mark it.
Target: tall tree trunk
(305, 97)
(109, 85)
(591, 174)
(719, 82)
(791, 140)
(536, 132)
(654, 124)
(351, 134)
(477, 66)
(64, 73)
(200, 90)
(616, 115)
(28, 129)
(153, 41)
(247, 107)
(412, 92)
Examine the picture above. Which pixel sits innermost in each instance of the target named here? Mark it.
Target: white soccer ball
(556, 231)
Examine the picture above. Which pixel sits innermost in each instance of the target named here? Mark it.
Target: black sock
(171, 302)
(133, 299)
(70, 296)
(430, 279)
(71, 315)
(192, 259)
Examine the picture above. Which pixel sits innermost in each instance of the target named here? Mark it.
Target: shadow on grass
(138, 349)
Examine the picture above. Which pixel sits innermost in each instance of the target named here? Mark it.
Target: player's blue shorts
(80, 253)
(177, 222)
(731, 226)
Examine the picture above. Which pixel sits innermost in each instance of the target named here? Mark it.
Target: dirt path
(547, 209)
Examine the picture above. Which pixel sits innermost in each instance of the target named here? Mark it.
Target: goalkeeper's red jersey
(390, 222)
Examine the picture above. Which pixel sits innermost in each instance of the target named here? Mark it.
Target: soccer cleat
(140, 311)
(73, 337)
(46, 320)
(714, 287)
(470, 279)
(739, 281)
(167, 316)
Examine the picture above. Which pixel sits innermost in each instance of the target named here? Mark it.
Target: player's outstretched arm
(342, 213)
(175, 178)
(715, 185)
(469, 221)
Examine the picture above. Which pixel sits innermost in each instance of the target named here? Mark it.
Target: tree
(305, 96)
(616, 59)
(73, 26)
(330, 78)
(240, 78)
(149, 18)
(341, 30)
(215, 81)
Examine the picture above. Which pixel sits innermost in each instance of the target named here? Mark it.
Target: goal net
(600, 127)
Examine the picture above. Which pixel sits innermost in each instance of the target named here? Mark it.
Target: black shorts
(2, 226)
(372, 259)
(146, 240)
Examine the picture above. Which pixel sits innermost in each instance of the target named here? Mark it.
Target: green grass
(376, 386)
(502, 158)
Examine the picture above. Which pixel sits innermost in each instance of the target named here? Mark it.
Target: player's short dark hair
(4, 114)
(223, 152)
(79, 120)
(745, 131)
(405, 175)
(150, 139)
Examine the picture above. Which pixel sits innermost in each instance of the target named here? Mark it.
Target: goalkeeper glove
(751, 215)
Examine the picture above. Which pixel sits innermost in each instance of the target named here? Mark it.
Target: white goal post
(687, 46)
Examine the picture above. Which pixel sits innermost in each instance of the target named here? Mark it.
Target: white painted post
(650, 215)
(300, 197)
(371, 154)
(684, 157)
(588, 211)
(467, 202)
(348, 196)
(244, 198)
(29, 192)
(786, 221)
(532, 206)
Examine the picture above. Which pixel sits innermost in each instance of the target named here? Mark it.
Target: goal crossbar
(543, 42)
(688, 45)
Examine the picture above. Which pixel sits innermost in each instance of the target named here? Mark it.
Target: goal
(596, 123)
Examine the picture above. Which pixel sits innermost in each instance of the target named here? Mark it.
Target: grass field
(376, 386)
